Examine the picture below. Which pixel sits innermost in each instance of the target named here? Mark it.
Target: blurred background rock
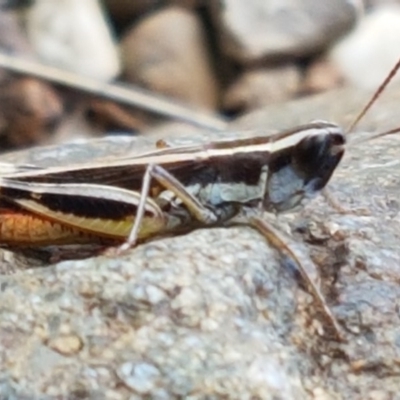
(226, 57)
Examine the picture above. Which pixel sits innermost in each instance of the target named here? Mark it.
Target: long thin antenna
(376, 136)
(377, 93)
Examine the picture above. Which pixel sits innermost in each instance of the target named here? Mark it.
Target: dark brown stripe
(79, 206)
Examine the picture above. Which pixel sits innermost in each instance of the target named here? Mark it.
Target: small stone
(141, 378)
(66, 344)
(365, 56)
(124, 12)
(167, 53)
(29, 110)
(334, 231)
(320, 76)
(13, 37)
(147, 293)
(73, 34)
(257, 30)
(154, 294)
(88, 290)
(379, 395)
(321, 394)
(261, 87)
(358, 365)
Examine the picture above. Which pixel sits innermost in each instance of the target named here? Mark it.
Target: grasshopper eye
(316, 157)
(338, 139)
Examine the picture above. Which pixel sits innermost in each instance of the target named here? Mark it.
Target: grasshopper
(172, 189)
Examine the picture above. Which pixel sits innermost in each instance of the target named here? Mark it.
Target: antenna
(377, 93)
(376, 136)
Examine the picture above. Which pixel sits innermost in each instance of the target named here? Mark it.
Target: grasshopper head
(303, 169)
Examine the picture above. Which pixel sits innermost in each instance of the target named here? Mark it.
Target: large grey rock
(215, 314)
(174, 318)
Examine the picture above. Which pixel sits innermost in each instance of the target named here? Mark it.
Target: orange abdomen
(19, 228)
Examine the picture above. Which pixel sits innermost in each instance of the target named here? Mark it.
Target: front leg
(195, 209)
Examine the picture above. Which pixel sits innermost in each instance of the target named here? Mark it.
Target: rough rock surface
(215, 314)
